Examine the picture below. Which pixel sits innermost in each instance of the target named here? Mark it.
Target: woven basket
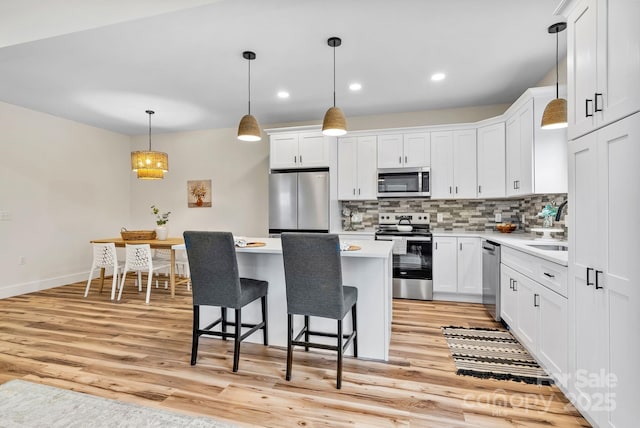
(137, 235)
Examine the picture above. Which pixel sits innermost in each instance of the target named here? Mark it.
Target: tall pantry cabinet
(603, 64)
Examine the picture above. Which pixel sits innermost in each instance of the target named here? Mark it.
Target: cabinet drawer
(552, 276)
(518, 261)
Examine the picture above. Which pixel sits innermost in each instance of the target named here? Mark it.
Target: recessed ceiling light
(438, 76)
(355, 86)
(283, 94)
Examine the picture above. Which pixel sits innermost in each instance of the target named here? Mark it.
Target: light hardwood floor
(140, 354)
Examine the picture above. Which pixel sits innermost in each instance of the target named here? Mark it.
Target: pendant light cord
(249, 85)
(334, 76)
(557, 78)
(149, 130)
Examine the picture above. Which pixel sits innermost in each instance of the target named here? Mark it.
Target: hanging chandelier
(149, 165)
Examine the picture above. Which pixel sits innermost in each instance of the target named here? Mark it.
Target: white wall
(61, 184)
(238, 171)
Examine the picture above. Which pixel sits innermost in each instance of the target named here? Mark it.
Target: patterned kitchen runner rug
(490, 353)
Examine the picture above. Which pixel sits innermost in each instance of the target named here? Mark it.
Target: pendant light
(334, 123)
(149, 165)
(555, 114)
(248, 129)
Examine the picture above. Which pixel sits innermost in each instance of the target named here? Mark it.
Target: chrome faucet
(560, 207)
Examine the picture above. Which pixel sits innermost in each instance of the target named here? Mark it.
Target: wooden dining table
(155, 244)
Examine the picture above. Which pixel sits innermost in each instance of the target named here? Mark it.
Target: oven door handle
(408, 238)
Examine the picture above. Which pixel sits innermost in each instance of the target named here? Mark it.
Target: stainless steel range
(412, 253)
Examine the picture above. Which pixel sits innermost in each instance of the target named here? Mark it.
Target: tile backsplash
(458, 214)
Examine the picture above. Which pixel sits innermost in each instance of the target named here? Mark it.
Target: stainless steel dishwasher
(491, 278)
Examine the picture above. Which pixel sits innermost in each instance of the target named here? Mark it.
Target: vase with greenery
(161, 220)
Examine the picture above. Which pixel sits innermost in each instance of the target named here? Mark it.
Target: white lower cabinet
(457, 268)
(536, 314)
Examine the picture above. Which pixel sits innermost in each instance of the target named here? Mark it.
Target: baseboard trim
(41, 284)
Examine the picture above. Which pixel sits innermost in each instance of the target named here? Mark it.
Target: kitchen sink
(549, 247)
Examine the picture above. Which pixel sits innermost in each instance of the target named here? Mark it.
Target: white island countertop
(368, 248)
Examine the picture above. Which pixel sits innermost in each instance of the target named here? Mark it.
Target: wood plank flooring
(140, 354)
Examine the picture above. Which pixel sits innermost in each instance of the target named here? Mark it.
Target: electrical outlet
(22, 260)
(498, 218)
(440, 217)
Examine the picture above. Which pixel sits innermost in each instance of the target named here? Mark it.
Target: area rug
(490, 353)
(26, 404)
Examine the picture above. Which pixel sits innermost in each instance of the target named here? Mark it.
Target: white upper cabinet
(299, 150)
(453, 169)
(603, 63)
(536, 157)
(357, 172)
(491, 161)
(404, 150)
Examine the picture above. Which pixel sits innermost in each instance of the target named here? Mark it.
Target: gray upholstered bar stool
(215, 282)
(313, 276)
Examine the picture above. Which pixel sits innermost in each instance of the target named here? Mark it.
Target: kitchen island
(369, 269)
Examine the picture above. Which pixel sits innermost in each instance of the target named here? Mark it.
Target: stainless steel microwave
(404, 183)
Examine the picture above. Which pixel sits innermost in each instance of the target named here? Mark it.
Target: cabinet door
(390, 152)
(464, 164)
(417, 150)
(618, 55)
(367, 177)
(470, 265)
(527, 312)
(526, 118)
(313, 150)
(445, 265)
(283, 151)
(441, 164)
(619, 260)
(552, 337)
(581, 67)
(491, 161)
(347, 168)
(508, 303)
(513, 155)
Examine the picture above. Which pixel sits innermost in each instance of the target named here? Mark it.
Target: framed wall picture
(199, 193)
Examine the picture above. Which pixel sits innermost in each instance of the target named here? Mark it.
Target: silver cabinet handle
(295, 159)
(589, 282)
(536, 300)
(400, 159)
(479, 189)
(436, 245)
(549, 275)
(514, 184)
(405, 159)
(515, 283)
(461, 246)
(450, 190)
(354, 190)
(358, 190)
(456, 190)
(511, 283)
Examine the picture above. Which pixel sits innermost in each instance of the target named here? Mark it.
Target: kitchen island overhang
(369, 269)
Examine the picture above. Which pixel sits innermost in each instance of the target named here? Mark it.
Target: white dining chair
(139, 259)
(181, 265)
(104, 257)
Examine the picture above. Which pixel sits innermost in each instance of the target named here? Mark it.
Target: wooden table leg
(172, 270)
(101, 279)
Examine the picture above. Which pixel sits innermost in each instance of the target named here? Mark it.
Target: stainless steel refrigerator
(298, 201)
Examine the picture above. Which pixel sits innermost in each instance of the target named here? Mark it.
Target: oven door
(412, 267)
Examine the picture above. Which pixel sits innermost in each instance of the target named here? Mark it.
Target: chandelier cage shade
(248, 129)
(555, 113)
(149, 165)
(334, 123)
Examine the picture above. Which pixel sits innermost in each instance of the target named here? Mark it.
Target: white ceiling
(105, 62)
